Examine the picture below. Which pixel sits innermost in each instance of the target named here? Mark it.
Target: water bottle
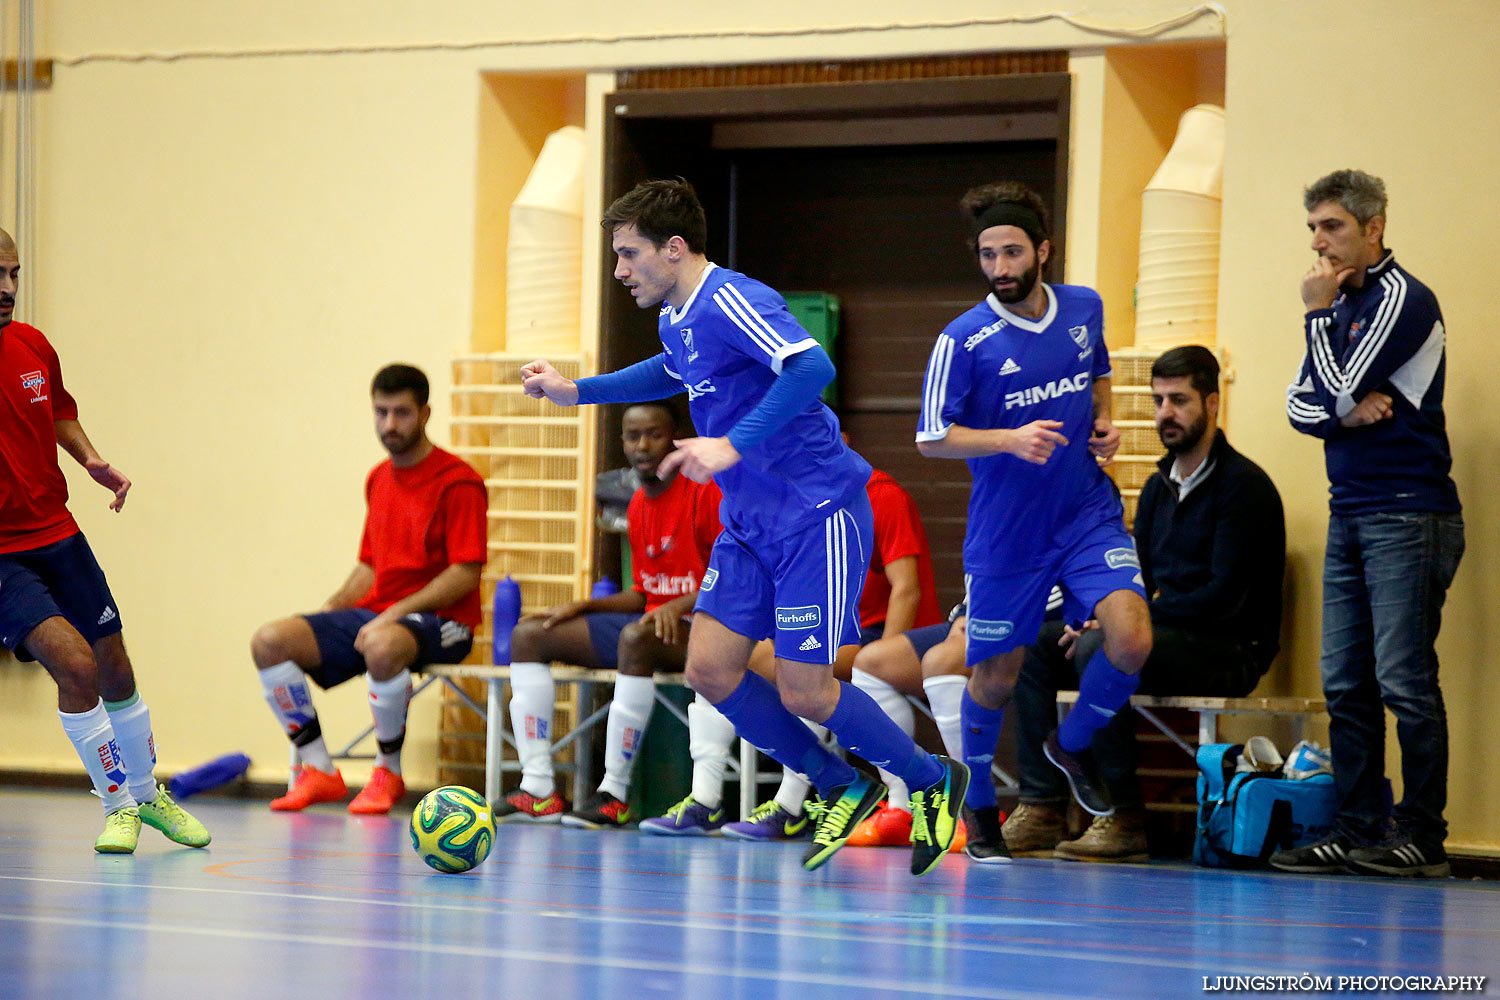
(219, 771)
(507, 611)
(604, 588)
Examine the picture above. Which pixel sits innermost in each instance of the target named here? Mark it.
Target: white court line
(570, 959)
(693, 923)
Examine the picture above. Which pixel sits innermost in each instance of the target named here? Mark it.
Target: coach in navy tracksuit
(1371, 385)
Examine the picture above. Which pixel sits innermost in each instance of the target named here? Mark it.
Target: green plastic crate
(818, 312)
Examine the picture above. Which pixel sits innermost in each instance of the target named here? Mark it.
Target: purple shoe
(688, 818)
(770, 822)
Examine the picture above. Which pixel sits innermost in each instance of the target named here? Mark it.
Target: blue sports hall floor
(326, 905)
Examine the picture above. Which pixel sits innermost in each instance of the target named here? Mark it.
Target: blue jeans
(1384, 580)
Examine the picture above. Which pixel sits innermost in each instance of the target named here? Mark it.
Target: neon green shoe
(122, 828)
(177, 823)
(837, 820)
(934, 815)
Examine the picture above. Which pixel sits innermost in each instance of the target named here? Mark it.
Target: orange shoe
(311, 786)
(888, 826)
(893, 825)
(865, 835)
(960, 838)
(384, 791)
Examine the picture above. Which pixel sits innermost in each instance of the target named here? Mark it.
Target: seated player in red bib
(412, 600)
(673, 524)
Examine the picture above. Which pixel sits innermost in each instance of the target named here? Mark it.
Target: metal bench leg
(1208, 727)
(583, 756)
(494, 739)
(748, 778)
(1169, 732)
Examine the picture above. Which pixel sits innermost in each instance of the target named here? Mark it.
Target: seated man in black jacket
(1212, 542)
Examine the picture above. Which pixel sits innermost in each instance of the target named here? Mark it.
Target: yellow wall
(230, 246)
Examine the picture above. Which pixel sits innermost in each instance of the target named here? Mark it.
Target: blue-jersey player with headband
(1019, 386)
(798, 528)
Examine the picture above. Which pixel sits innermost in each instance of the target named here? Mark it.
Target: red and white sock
(94, 739)
(533, 696)
(388, 701)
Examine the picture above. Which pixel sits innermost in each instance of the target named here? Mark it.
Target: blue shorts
(924, 638)
(1006, 611)
(61, 579)
(604, 632)
(803, 589)
(439, 640)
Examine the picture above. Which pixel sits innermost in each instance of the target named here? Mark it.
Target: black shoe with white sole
(1406, 858)
(1329, 856)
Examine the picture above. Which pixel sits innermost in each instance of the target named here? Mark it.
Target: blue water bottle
(507, 611)
(604, 588)
(219, 771)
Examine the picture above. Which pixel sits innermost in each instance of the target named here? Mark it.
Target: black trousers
(1182, 662)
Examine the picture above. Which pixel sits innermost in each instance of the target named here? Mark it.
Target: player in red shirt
(412, 600)
(673, 523)
(55, 604)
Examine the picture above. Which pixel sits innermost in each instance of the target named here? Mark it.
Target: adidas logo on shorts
(811, 642)
(108, 616)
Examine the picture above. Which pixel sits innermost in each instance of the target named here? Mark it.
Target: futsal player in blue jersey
(798, 528)
(1019, 386)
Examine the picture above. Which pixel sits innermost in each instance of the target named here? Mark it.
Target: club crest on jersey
(687, 341)
(1080, 335)
(1047, 390)
(701, 389)
(791, 619)
(1119, 558)
(654, 550)
(36, 382)
(994, 631)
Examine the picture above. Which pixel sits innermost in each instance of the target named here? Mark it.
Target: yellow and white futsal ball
(453, 829)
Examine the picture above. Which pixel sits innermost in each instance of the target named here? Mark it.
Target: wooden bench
(1209, 710)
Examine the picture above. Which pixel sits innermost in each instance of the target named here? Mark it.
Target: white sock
(629, 714)
(894, 704)
(710, 738)
(945, 694)
(290, 699)
(132, 725)
(533, 696)
(94, 739)
(388, 701)
(793, 791)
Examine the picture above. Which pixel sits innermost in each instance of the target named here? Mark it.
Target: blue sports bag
(1244, 818)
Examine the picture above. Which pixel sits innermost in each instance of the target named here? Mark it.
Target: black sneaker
(600, 811)
(1324, 857)
(986, 840)
(1404, 857)
(848, 807)
(1083, 775)
(934, 814)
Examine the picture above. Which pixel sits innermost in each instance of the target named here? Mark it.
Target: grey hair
(1360, 194)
